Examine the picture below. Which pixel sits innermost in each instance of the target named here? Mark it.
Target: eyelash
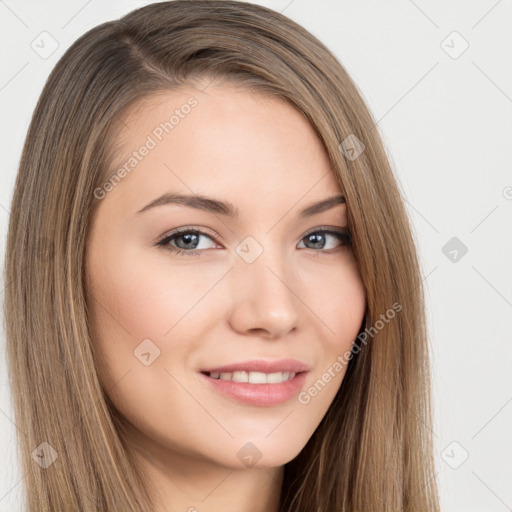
(343, 236)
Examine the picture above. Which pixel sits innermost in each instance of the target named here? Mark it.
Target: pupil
(318, 242)
(189, 237)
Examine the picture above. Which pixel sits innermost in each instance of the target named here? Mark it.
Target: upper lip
(260, 365)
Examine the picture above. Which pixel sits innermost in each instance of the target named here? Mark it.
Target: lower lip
(264, 395)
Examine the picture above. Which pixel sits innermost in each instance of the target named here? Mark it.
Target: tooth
(257, 378)
(275, 378)
(253, 377)
(240, 376)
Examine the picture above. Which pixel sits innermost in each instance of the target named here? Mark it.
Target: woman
(283, 365)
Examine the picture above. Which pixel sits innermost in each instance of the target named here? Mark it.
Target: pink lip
(264, 395)
(260, 365)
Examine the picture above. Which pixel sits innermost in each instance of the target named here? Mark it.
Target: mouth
(256, 388)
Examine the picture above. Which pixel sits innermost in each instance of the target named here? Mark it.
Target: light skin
(301, 298)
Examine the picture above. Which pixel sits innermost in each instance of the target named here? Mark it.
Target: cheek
(150, 296)
(136, 298)
(133, 302)
(347, 305)
(335, 295)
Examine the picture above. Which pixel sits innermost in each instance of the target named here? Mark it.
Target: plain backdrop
(437, 76)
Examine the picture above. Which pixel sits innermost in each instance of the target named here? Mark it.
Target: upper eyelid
(186, 229)
(329, 229)
(178, 231)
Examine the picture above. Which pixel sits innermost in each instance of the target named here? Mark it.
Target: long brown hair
(373, 449)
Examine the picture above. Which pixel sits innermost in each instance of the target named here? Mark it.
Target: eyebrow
(226, 208)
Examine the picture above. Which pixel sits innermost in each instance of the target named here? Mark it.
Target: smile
(253, 377)
(262, 393)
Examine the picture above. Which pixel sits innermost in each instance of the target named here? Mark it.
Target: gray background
(445, 117)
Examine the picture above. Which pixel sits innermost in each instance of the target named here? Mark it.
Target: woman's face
(263, 282)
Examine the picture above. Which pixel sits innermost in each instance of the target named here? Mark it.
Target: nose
(265, 302)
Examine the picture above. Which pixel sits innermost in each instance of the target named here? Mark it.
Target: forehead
(226, 141)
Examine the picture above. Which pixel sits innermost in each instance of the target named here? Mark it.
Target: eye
(186, 241)
(325, 240)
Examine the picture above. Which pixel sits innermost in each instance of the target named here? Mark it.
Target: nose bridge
(264, 297)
